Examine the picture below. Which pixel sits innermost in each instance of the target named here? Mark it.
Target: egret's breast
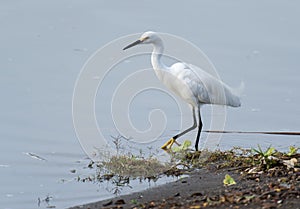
(178, 81)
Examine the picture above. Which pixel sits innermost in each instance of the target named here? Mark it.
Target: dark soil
(259, 184)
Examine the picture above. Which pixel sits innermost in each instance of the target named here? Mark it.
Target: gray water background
(44, 44)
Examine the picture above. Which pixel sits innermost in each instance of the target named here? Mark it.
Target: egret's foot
(169, 144)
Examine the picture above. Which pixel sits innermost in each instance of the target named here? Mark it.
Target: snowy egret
(192, 84)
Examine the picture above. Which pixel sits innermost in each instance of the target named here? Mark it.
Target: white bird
(192, 84)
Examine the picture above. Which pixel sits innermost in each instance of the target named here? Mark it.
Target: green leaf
(270, 151)
(293, 150)
(186, 144)
(255, 151)
(228, 180)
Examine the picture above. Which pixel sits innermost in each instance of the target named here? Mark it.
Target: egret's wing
(195, 86)
(187, 84)
(209, 89)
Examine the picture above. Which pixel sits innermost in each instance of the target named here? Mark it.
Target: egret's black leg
(199, 129)
(189, 129)
(169, 143)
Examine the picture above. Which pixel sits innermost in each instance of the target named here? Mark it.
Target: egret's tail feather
(239, 90)
(235, 93)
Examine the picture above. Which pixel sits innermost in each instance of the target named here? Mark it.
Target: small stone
(107, 203)
(177, 194)
(279, 201)
(152, 204)
(196, 194)
(120, 202)
(195, 207)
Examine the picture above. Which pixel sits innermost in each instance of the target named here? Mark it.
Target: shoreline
(203, 186)
(179, 188)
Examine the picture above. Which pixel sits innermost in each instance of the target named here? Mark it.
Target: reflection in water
(46, 202)
(133, 171)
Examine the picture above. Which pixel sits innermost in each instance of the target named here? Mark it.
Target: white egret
(192, 84)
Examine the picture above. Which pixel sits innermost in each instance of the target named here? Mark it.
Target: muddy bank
(266, 179)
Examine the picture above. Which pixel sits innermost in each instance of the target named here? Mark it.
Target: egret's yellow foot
(168, 144)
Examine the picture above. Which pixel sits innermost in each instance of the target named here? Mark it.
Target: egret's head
(148, 37)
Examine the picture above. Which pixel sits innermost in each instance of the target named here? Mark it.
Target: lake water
(44, 45)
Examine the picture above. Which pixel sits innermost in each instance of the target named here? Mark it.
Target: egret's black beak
(133, 44)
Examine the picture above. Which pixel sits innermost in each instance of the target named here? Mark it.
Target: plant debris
(257, 178)
(228, 180)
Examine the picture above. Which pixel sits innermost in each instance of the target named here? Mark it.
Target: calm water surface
(45, 44)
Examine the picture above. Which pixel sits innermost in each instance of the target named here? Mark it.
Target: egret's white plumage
(191, 83)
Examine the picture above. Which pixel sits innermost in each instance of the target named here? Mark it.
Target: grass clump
(134, 166)
(249, 162)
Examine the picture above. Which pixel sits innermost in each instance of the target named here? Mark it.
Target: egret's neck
(157, 65)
